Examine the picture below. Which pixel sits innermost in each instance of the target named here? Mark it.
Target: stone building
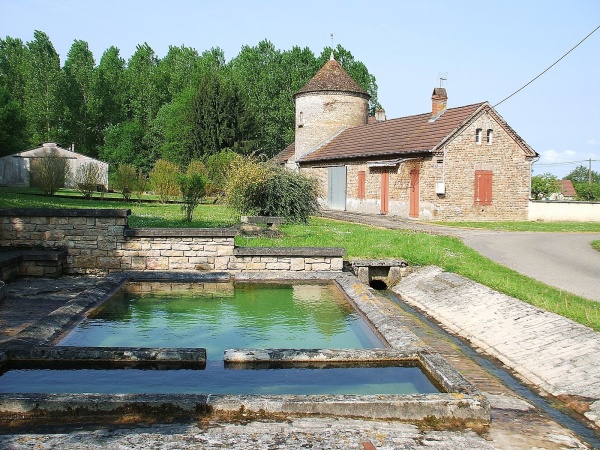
(463, 163)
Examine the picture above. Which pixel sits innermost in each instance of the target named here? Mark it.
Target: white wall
(565, 211)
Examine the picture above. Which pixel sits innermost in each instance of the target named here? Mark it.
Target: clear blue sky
(488, 49)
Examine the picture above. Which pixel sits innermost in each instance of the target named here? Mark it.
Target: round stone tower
(330, 102)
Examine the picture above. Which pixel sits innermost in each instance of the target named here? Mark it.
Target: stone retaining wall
(100, 241)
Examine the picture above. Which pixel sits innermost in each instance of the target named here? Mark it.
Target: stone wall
(561, 211)
(325, 115)
(100, 241)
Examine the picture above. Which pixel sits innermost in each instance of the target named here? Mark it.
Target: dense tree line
(182, 107)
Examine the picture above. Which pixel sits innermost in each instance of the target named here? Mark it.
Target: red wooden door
(414, 194)
(385, 189)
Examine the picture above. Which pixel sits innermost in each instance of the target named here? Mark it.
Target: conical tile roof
(332, 77)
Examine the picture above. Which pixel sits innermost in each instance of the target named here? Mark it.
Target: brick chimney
(439, 98)
(380, 115)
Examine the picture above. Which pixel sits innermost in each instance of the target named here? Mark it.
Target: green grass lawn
(143, 215)
(596, 245)
(360, 241)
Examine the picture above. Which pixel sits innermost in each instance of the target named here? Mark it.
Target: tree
(164, 180)
(192, 188)
(204, 119)
(124, 180)
(124, 144)
(142, 88)
(259, 72)
(581, 174)
(356, 69)
(219, 167)
(42, 84)
(587, 192)
(49, 172)
(13, 124)
(13, 58)
(76, 94)
(175, 71)
(544, 185)
(87, 178)
(107, 100)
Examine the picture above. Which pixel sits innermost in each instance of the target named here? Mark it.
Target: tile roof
(405, 135)
(284, 155)
(332, 77)
(567, 188)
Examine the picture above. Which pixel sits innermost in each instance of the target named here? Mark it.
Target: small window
(490, 135)
(483, 187)
(478, 132)
(361, 185)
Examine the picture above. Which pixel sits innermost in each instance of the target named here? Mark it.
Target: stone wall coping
(379, 263)
(63, 212)
(290, 251)
(106, 354)
(179, 232)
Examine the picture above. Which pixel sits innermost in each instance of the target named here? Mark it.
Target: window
(490, 135)
(478, 135)
(483, 187)
(361, 184)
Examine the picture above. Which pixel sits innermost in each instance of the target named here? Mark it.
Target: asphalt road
(563, 260)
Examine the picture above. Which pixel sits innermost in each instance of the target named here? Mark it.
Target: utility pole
(590, 172)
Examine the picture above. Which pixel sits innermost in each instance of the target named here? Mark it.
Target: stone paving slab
(550, 351)
(293, 435)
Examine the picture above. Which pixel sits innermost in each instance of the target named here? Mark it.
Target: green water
(217, 317)
(223, 315)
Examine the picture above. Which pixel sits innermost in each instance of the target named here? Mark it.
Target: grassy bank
(422, 249)
(143, 215)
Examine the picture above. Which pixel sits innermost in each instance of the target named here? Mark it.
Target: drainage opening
(378, 285)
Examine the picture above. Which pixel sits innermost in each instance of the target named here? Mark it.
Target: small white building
(15, 170)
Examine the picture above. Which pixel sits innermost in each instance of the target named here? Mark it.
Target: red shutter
(361, 184)
(483, 187)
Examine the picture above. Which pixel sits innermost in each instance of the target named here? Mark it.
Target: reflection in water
(218, 316)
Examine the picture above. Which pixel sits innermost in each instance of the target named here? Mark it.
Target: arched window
(490, 135)
(478, 132)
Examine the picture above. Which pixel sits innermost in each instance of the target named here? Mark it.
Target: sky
(486, 50)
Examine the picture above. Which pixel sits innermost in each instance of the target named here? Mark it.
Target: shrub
(124, 180)
(544, 185)
(49, 172)
(164, 180)
(197, 167)
(88, 177)
(266, 190)
(192, 191)
(141, 184)
(587, 192)
(219, 167)
(290, 195)
(245, 186)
